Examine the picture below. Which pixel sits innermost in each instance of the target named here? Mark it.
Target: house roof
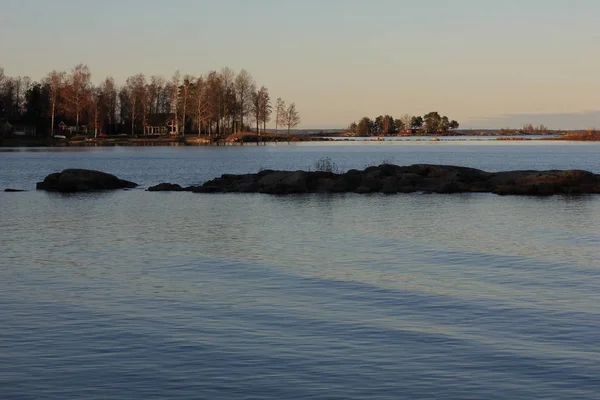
(158, 119)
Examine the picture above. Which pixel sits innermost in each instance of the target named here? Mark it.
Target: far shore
(262, 139)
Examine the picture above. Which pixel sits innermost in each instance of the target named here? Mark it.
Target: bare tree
(78, 91)
(255, 110)
(136, 89)
(175, 99)
(188, 82)
(21, 86)
(226, 93)
(156, 88)
(214, 98)
(7, 96)
(261, 107)
(54, 82)
(244, 87)
(292, 118)
(201, 103)
(109, 102)
(265, 107)
(406, 120)
(17, 83)
(96, 107)
(279, 114)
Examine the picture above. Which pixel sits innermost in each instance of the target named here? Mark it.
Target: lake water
(142, 295)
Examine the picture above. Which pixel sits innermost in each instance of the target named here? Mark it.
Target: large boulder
(83, 180)
(283, 182)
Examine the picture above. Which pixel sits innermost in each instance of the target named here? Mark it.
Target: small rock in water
(166, 187)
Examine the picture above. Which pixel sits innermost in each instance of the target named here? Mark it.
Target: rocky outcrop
(391, 179)
(83, 180)
(166, 187)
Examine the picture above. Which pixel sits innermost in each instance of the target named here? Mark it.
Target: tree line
(430, 123)
(218, 103)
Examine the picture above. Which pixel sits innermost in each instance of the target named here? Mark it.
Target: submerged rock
(83, 180)
(391, 179)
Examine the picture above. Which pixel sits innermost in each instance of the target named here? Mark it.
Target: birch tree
(244, 86)
(224, 81)
(78, 91)
(136, 89)
(109, 102)
(265, 107)
(256, 110)
(175, 99)
(186, 88)
(201, 103)
(261, 108)
(292, 118)
(406, 120)
(156, 88)
(96, 107)
(54, 83)
(279, 114)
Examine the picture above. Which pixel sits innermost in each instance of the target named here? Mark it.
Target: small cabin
(24, 130)
(17, 128)
(160, 124)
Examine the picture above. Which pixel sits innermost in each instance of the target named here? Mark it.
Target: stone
(166, 187)
(83, 180)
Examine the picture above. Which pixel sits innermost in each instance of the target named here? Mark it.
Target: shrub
(326, 165)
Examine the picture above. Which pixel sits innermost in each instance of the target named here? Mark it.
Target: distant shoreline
(253, 139)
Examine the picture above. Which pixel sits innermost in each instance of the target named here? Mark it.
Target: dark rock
(166, 187)
(272, 178)
(363, 190)
(391, 179)
(83, 180)
(8, 190)
(370, 180)
(325, 185)
(340, 186)
(389, 185)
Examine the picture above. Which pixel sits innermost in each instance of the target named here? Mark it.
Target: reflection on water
(133, 294)
(153, 295)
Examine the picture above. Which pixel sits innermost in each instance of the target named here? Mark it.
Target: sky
(485, 63)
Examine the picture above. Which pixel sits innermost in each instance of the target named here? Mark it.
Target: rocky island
(385, 178)
(392, 179)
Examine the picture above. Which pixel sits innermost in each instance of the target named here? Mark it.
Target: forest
(430, 123)
(68, 102)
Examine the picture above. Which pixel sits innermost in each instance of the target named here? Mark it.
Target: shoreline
(269, 138)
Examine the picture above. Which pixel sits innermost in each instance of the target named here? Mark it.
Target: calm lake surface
(141, 295)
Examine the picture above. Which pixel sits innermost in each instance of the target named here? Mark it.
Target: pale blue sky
(485, 63)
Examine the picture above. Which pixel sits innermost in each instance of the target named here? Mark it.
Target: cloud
(563, 121)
